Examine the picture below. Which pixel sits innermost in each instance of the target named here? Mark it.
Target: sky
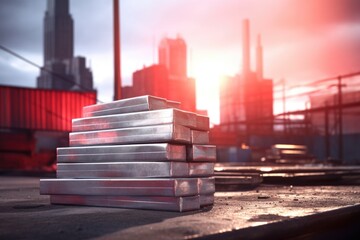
(303, 40)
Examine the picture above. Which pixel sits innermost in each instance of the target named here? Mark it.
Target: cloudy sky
(304, 40)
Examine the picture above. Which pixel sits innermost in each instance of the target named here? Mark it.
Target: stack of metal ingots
(140, 152)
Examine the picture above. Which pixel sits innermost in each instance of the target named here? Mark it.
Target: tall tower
(172, 54)
(259, 58)
(58, 31)
(61, 69)
(246, 48)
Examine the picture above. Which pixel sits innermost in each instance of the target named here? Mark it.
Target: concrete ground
(268, 211)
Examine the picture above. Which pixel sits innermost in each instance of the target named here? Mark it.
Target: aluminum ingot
(199, 169)
(201, 153)
(122, 153)
(138, 119)
(206, 200)
(206, 185)
(178, 204)
(122, 170)
(150, 134)
(173, 104)
(202, 122)
(136, 104)
(169, 187)
(199, 137)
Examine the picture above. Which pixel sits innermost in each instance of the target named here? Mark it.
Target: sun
(208, 73)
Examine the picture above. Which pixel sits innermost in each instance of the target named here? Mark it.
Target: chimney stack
(246, 48)
(259, 58)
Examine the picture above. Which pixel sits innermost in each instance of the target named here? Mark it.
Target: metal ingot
(178, 204)
(138, 119)
(199, 137)
(206, 185)
(122, 153)
(170, 187)
(199, 169)
(149, 134)
(123, 170)
(201, 153)
(136, 104)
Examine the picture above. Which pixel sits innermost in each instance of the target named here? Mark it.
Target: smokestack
(259, 58)
(246, 48)
(117, 59)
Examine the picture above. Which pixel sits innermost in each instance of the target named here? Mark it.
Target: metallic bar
(206, 200)
(201, 153)
(199, 137)
(173, 104)
(202, 122)
(206, 185)
(169, 187)
(138, 119)
(178, 204)
(150, 134)
(122, 170)
(199, 169)
(136, 104)
(237, 182)
(122, 153)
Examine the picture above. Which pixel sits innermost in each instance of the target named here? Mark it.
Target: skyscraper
(172, 55)
(58, 31)
(61, 69)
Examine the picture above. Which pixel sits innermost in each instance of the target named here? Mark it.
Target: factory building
(246, 100)
(168, 78)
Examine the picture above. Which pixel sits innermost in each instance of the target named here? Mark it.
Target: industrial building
(168, 78)
(246, 100)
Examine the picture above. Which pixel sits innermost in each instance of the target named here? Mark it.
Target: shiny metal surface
(169, 187)
(178, 204)
(173, 104)
(150, 134)
(136, 104)
(199, 169)
(206, 185)
(206, 200)
(199, 137)
(201, 153)
(137, 119)
(122, 170)
(202, 122)
(122, 153)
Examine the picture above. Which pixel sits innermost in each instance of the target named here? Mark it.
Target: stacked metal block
(139, 152)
